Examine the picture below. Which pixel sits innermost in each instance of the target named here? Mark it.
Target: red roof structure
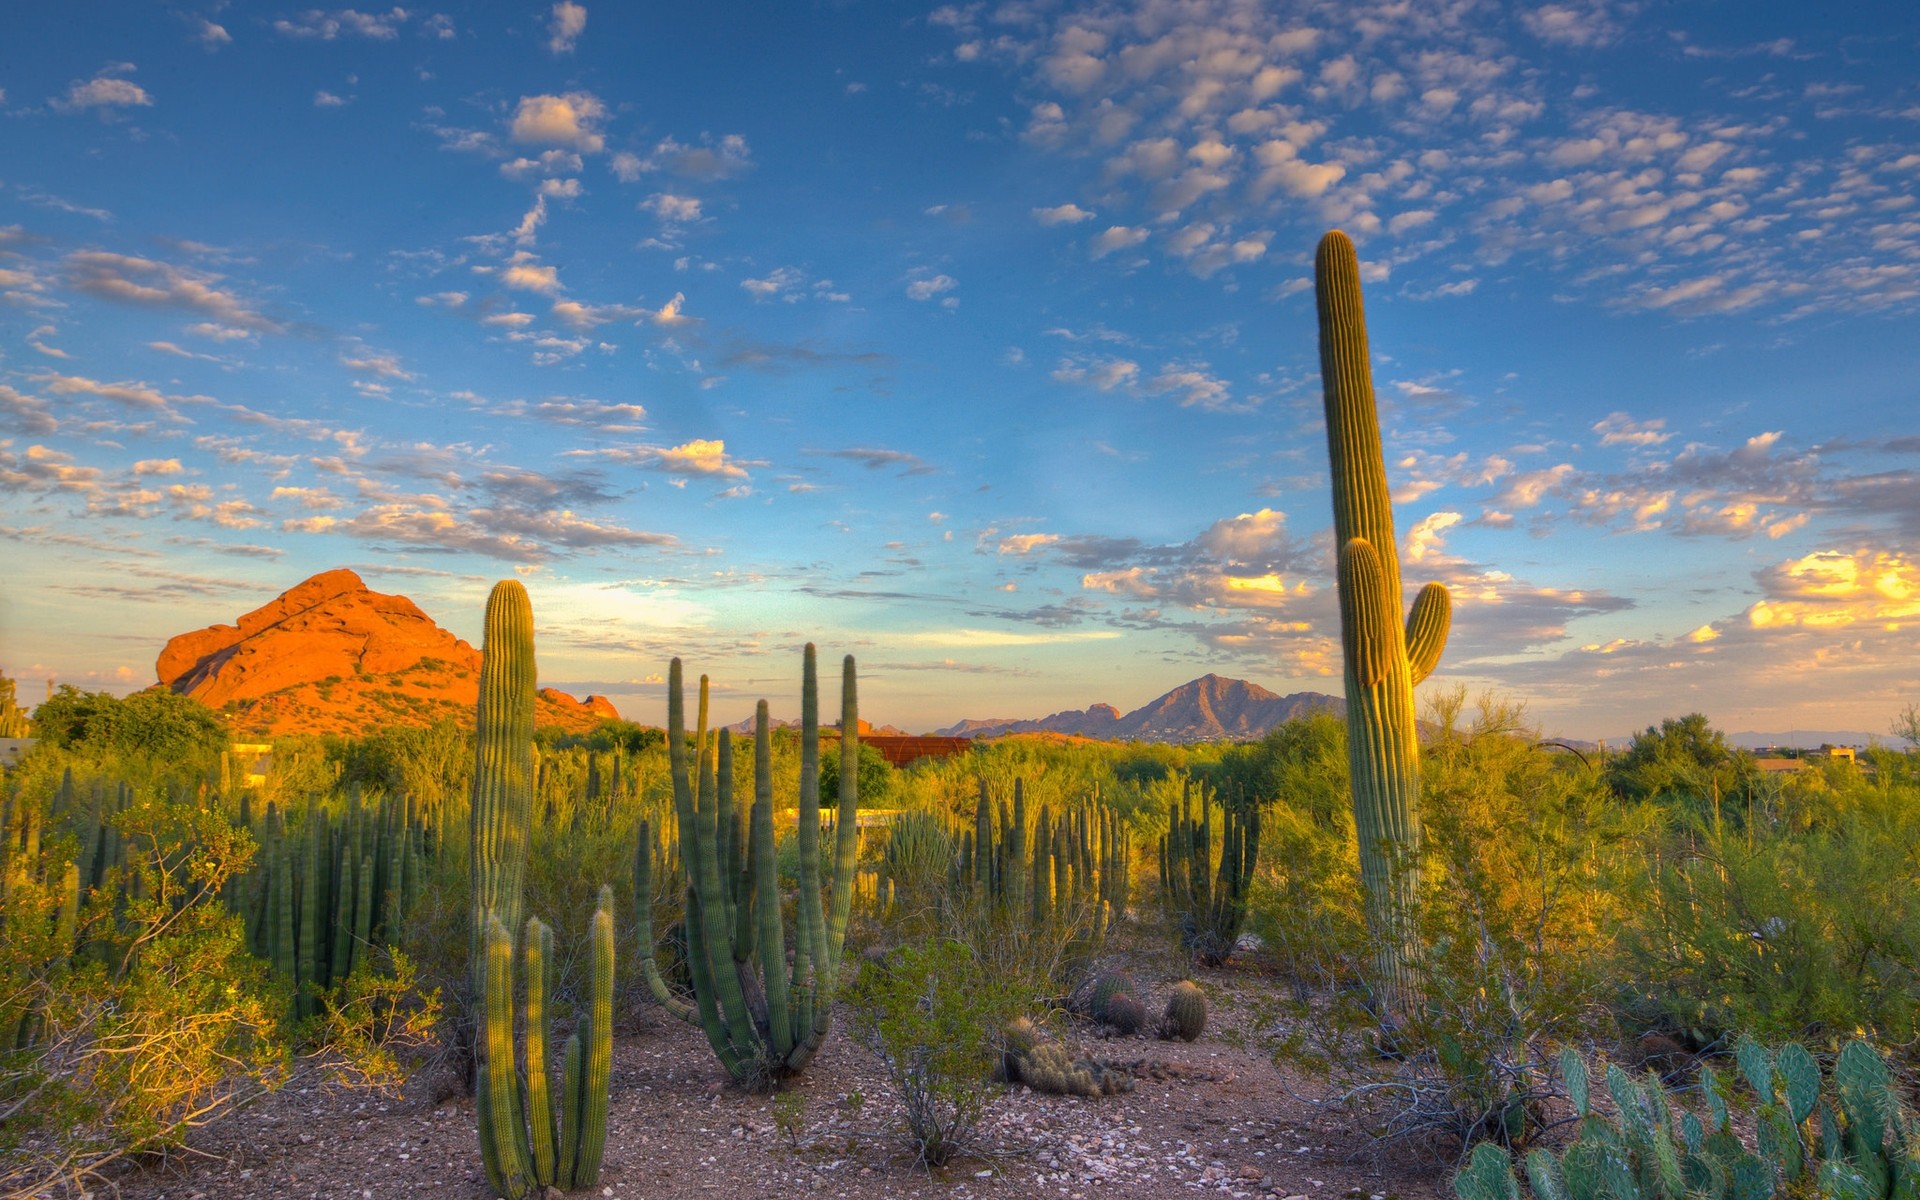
(901, 749)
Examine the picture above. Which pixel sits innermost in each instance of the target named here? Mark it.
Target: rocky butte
(331, 656)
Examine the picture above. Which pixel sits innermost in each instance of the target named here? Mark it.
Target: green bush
(1512, 929)
(932, 1014)
(144, 1019)
(1782, 932)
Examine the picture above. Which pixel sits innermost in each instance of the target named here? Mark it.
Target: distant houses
(1787, 765)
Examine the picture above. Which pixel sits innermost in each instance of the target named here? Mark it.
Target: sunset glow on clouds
(694, 331)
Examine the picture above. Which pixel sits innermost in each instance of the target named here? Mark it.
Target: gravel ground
(1216, 1119)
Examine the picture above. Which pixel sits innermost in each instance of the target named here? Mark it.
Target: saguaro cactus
(1384, 660)
(516, 1161)
(764, 1017)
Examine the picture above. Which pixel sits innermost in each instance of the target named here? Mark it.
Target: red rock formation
(330, 656)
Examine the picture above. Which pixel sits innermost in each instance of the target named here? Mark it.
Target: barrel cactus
(1186, 1015)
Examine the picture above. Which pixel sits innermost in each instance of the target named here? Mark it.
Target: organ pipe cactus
(765, 1018)
(1384, 659)
(1208, 900)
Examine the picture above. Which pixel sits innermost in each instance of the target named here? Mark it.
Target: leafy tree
(876, 773)
(1906, 726)
(1684, 758)
(159, 724)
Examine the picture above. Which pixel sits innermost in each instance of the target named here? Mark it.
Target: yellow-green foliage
(159, 1026)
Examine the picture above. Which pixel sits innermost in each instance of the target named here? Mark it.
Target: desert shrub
(143, 1018)
(1513, 925)
(1779, 931)
(932, 1014)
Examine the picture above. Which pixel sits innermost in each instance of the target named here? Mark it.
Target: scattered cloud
(104, 92)
(563, 32)
(569, 120)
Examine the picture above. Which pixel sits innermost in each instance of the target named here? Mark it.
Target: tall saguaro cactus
(1384, 660)
(520, 1117)
(503, 766)
(764, 1017)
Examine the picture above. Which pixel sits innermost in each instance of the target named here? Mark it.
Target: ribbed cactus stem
(764, 1016)
(597, 1046)
(1384, 658)
(503, 761)
(572, 1076)
(538, 953)
(503, 1138)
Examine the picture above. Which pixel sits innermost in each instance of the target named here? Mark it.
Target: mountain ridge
(1210, 708)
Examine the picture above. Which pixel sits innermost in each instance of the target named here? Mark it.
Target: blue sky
(975, 340)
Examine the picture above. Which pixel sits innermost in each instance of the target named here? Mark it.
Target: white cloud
(1062, 214)
(927, 289)
(672, 209)
(103, 92)
(569, 120)
(326, 26)
(1116, 237)
(569, 21)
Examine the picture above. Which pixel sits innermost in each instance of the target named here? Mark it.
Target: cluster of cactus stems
(1029, 1057)
(319, 897)
(1857, 1141)
(1384, 658)
(764, 1017)
(1051, 869)
(13, 719)
(529, 1137)
(1205, 896)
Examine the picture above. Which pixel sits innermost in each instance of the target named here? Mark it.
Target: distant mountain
(1807, 739)
(744, 727)
(330, 656)
(1210, 708)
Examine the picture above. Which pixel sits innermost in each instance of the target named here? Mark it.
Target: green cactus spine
(764, 1018)
(1384, 659)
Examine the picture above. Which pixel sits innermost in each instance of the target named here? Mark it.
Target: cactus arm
(1367, 624)
(643, 903)
(1427, 625)
(771, 935)
(503, 1139)
(716, 985)
(846, 848)
(811, 954)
